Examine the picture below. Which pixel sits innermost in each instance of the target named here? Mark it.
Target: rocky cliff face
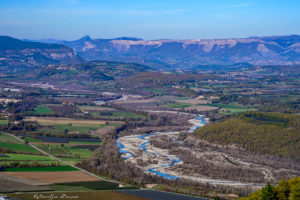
(17, 54)
(190, 53)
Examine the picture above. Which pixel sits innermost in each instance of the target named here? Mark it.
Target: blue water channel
(143, 146)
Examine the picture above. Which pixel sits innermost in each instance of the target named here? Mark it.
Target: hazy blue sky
(148, 19)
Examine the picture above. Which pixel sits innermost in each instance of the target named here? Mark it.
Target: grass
(233, 108)
(84, 153)
(126, 114)
(24, 157)
(40, 169)
(67, 151)
(8, 138)
(238, 110)
(181, 98)
(177, 105)
(156, 90)
(79, 142)
(3, 122)
(81, 128)
(119, 114)
(30, 139)
(42, 109)
(31, 162)
(18, 147)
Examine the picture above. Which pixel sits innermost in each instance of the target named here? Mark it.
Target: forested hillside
(267, 133)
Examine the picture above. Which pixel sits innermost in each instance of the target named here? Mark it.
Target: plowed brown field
(53, 177)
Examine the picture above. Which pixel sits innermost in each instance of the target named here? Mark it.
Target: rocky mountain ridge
(18, 55)
(273, 50)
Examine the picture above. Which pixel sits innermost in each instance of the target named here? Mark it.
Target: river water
(198, 122)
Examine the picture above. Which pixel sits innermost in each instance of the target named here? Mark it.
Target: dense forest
(267, 133)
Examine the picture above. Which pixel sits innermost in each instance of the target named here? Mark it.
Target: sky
(148, 19)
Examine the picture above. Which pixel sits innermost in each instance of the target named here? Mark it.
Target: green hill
(266, 133)
(84, 72)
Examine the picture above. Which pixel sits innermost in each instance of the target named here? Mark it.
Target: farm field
(25, 157)
(18, 147)
(13, 184)
(81, 128)
(118, 114)
(53, 176)
(7, 138)
(191, 101)
(19, 156)
(96, 108)
(3, 122)
(201, 108)
(42, 109)
(232, 108)
(40, 169)
(62, 120)
(177, 105)
(60, 125)
(15, 145)
(72, 153)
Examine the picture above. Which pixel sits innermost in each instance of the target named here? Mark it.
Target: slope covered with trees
(266, 133)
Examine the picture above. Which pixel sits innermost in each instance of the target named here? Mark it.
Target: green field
(18, 147)
(126, 114)
(3, 122)
(238, 110)
(81, 128)
(25, 157)
(177, 105)
(156, 90)
(30, 139)
(233, 108)
(42, 109)
(10, 139)
(67, 152)
(40, 169)
(118, 114)
(79, 142)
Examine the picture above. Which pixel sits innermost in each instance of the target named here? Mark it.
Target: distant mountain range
(18, 55)
(160, 54)
(273, 50)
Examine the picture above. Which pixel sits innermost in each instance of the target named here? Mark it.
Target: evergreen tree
(268, 193)
(296, 192)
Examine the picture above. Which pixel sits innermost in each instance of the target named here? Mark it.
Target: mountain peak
(85, 38)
